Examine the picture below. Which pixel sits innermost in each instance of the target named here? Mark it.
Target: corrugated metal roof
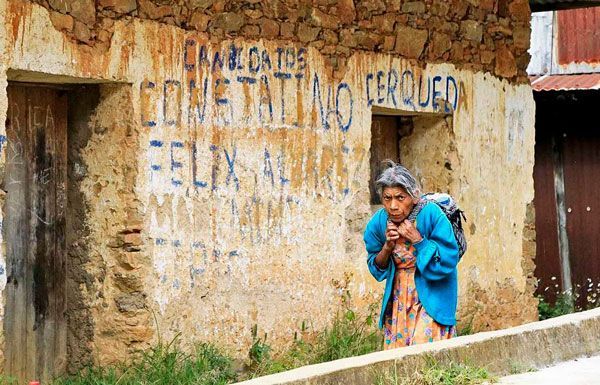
(565, 82)
(552, 5)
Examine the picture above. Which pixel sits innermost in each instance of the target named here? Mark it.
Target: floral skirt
(406, 322)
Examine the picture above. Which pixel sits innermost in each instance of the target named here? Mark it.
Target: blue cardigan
(437, 257)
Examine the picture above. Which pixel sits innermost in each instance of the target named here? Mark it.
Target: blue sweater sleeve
(374, 239)
(437, 253)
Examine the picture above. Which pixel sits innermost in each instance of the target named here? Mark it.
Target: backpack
(452, 212)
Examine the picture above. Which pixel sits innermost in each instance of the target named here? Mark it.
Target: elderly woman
(411, 245)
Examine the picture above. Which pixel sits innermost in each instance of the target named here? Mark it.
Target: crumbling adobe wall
(226, 180)
(106, 275)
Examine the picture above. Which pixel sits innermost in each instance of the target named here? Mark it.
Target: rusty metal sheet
(565, 82)
(582, 184)
(578, 36)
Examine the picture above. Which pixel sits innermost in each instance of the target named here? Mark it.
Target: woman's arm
(437, 253)
(379, 244)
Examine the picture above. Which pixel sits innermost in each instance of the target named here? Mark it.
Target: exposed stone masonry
(482, 35)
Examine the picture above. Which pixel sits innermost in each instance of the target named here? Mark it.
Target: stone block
(201, 4)
(410, 42)
(251, 30)
(388, 43)
(322, 19)
(519, 10)
(330, 36)
(487, 57)
(471, 30)
(506, 66)
(385, 23)
(253, 14)
(199, 21)
(440, 8)
(348, 38)
(130, 302)
(119, 6)
(367, 40)
(269, 28)
(521, 37)
(83, 10)
(287, 30)
(60, 6)
(306, 33)
(229, 21)
(440, 44)
(500, 30)
(61, 21)
(346, 11)
(449, 28)
(414, 7)
(154, 12)
(82, 32)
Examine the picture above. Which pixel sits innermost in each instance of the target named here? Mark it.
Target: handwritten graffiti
(2, 143)
(199, 166)
(210, 102)
(238, 86)
(261, 132)
(286, 62)
(405, 91)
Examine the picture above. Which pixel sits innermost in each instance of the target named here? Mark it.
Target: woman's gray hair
(396, 175)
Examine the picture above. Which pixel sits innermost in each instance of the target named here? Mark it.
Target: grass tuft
(163, 364)
(350, 335)
(435, 373)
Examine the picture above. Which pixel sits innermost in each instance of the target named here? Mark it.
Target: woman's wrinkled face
(397, 202)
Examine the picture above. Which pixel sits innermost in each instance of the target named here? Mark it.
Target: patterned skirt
(406, 322)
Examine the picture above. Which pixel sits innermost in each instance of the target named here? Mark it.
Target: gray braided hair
(396, 175)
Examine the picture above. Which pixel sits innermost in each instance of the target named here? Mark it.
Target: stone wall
(481, 35)
(223, 178)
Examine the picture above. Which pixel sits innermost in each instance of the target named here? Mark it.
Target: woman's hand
(391, 235)
(408, 230)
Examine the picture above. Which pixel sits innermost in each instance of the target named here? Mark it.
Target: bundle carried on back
(454, 214)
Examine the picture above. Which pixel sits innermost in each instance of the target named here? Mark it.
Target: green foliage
(467, 329)
(350, 335)
(164, 364)
(581, 297)
(564, 305)
(435, 373)
(453, 374)
(260, 351)
(5, 380)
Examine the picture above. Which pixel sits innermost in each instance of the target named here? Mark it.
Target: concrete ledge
(532, 345)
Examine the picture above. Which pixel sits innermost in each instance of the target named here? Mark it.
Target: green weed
(349, 335)
(6, 380)
(164, 364)
(435, 373)
(564, 304)
(454, 374)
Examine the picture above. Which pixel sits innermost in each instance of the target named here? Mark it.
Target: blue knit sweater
(437, 256)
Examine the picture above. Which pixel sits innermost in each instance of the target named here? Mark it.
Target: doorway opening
(423, 143)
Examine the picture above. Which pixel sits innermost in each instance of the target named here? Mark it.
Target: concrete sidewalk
(538, 344)
(582, 371)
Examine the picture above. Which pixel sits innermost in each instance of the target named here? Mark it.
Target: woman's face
(397, 202)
